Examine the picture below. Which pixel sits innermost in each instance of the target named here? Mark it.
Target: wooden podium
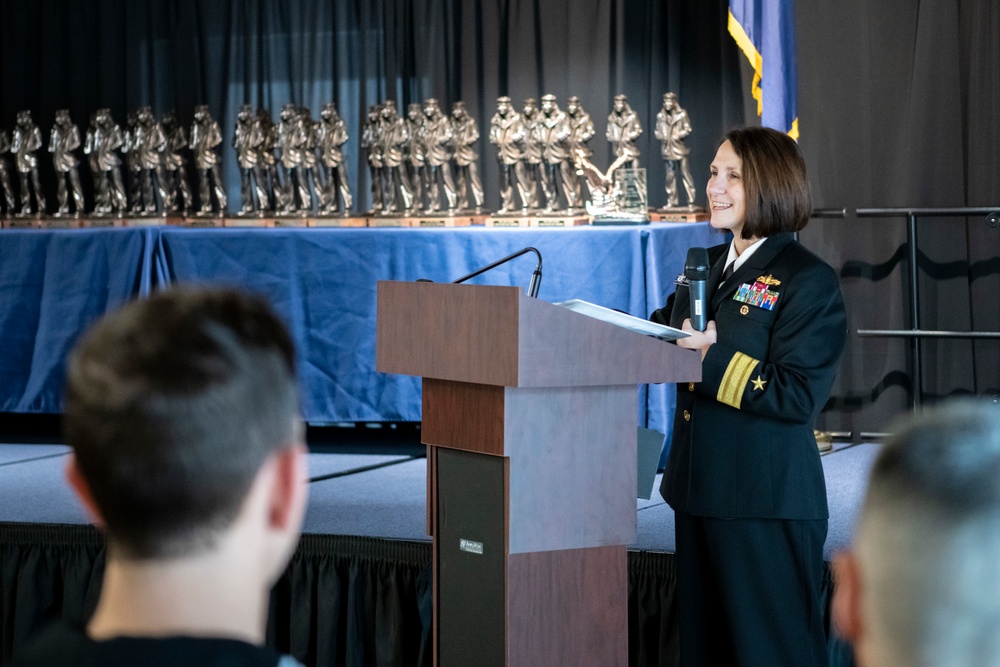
(529, 417)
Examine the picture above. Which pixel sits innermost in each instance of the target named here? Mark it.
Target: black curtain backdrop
(343, 601)
(175, 54)
(899, 106)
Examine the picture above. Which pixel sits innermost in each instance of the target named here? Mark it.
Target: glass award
(631, 201)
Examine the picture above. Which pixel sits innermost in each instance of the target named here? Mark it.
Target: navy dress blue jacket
(743, 444)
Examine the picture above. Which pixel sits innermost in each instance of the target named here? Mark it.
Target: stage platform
(366, 515)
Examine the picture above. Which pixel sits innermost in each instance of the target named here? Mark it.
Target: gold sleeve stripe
(735, 379)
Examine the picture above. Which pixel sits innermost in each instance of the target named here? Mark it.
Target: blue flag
(765, 31)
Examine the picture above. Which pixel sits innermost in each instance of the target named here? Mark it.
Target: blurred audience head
(921, 585)
(176, 407)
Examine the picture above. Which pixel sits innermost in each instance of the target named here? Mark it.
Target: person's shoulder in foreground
(921, 585)
(64, 645)
(182, 411)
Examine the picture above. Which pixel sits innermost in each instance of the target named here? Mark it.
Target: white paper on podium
(623, 320)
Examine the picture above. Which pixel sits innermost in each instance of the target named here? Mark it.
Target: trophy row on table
(423, 164)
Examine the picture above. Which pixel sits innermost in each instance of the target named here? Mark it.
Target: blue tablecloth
(323, 281)
(53, 284)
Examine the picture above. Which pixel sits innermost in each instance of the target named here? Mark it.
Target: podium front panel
(568, 608)
(572, 467)
(471, 559)
(463, 415)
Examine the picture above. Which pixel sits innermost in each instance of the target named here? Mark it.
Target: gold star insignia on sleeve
(759, 383)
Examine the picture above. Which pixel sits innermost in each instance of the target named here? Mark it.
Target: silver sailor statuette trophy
(64, 140)
(617, 194)
(672, 127)
(205, 137)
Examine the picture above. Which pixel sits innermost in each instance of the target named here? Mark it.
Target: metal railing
(915, 333)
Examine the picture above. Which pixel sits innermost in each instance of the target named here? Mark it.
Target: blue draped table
(323, 281)
(53, 285)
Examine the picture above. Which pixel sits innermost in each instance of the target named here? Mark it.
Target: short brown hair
(774, 181)
(173, 403)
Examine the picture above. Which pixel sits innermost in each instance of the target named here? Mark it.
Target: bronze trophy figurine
(25, 141)
(531, 161)
(332, 136)
(6, 191)
(205, 137)
(416, 155)
(623, 129)
(63, 141)
(292, 142)
(173, 162)
(104, 138)
(553, 132)
(268, 180)
(130, 148)
(436, 138)
(631, 201)
(581, 130)
(508, 134)
(311, 179)
(247, 140)
(672, 126)
(371, 143)
(152, 142)
(397, 195)
(466, 134)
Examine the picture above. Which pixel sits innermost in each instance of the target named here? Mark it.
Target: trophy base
(689, 208)
(450, 219)
(622, 220)
(679, 214)
(102, 221)
(21, 223)
(337, 221)
(509, 220)
(256, 221)
(475, 212)
(60, 223)
(157, 221)
(559, 220)
(204, 220)
(388, 221)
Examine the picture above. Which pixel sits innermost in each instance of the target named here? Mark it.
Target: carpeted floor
(384, 494)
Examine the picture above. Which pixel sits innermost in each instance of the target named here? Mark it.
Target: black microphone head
(696, 265)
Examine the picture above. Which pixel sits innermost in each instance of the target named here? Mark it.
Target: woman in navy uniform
(744, 476)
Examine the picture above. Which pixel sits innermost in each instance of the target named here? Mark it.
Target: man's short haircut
(774, 181)
(173, 403)
(928, 539)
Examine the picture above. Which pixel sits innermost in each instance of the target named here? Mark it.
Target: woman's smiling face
(726, 198)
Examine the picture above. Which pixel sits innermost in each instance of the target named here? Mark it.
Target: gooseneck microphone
(536, 275)
(696, 271)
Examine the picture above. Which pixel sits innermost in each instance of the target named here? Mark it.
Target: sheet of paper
(623, 320)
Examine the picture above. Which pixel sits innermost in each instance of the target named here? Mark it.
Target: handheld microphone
(536, 275)
(696, 271)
